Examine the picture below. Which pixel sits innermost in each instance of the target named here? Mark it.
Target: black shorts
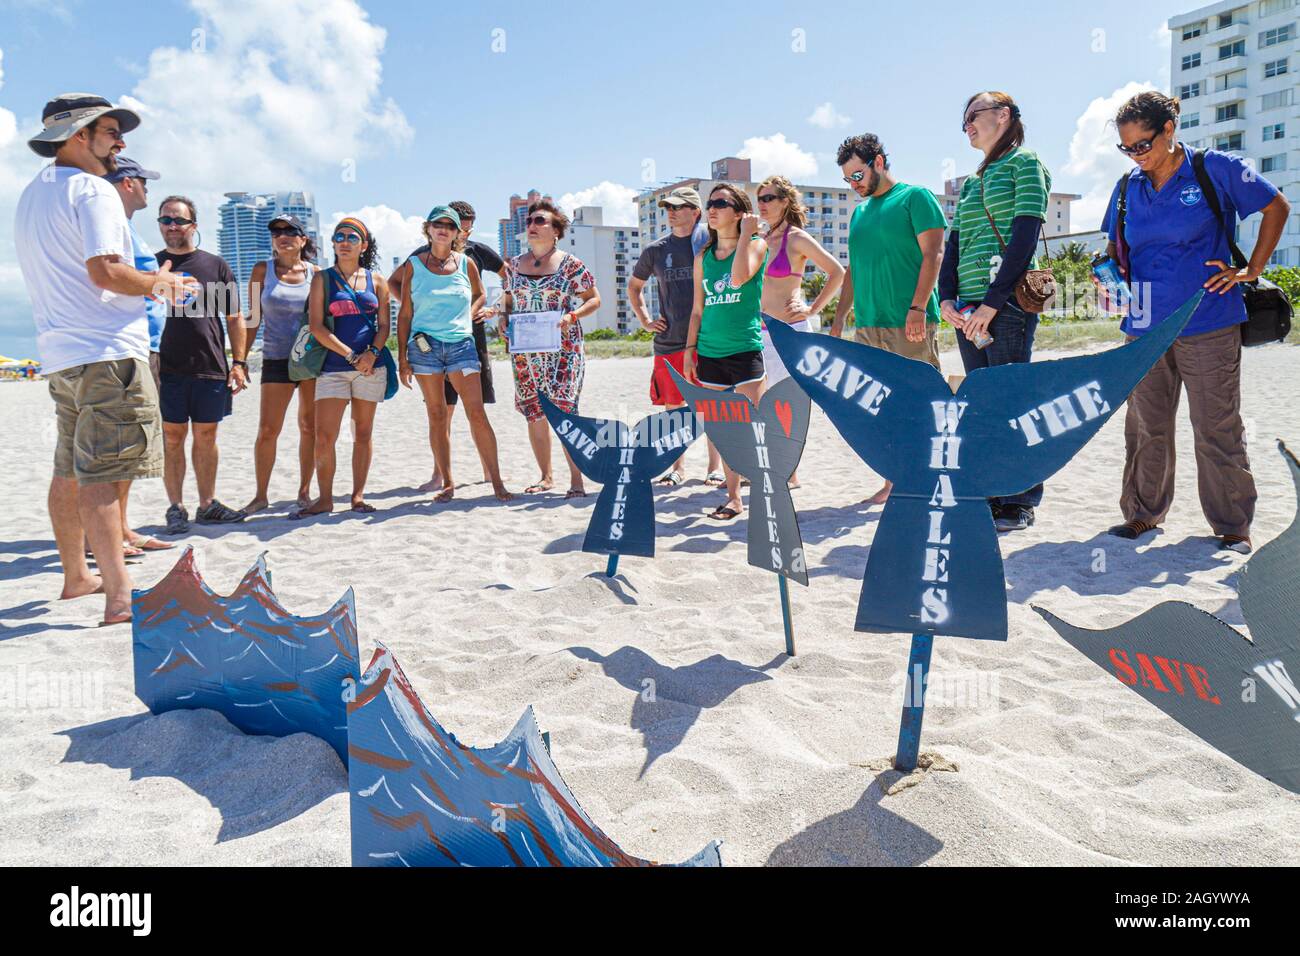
(484, 371)
(739, 369)
(184, 398)
(276, 372)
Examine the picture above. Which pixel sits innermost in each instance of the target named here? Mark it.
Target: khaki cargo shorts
(109, 426)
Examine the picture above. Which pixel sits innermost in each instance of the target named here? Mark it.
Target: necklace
(442, 263)
(537, 260)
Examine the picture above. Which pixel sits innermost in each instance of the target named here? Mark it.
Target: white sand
(491, 607)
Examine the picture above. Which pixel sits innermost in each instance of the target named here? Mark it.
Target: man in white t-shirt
(75, 252)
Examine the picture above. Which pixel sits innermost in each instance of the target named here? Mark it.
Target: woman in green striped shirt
(990, 246)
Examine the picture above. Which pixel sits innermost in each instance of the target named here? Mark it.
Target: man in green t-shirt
(895, 247)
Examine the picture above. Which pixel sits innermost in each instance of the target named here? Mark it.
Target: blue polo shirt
(156, 311)
(1171, 234)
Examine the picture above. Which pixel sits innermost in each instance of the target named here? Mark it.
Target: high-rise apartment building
(513, 226)
(609, 252)
(242, 227)
(1058, 206)
(1234, 68)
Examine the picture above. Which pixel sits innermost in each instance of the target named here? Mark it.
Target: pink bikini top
(779, 267)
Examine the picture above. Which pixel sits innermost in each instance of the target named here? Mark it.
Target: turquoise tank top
(440, 304)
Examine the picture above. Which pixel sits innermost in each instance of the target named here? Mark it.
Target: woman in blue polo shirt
(1170, 248)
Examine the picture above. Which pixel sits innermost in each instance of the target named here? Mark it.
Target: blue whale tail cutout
(419, 797)
(624, 460)
(1237, 695)
(935, 566)
(244, 656)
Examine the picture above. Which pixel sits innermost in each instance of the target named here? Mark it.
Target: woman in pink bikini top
(791, 249)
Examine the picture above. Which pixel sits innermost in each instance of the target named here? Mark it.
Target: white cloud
(1164, 40)
(772, 155)
(617, 201)
(827, 117)
(1094, 158)
(397, 234)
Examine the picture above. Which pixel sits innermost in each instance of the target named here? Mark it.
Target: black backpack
(1268, 310)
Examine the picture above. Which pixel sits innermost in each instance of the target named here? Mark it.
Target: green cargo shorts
(109, 426)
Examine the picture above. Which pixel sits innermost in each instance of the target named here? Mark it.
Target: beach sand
(674, 714)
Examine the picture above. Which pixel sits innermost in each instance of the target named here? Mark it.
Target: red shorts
(663, 390)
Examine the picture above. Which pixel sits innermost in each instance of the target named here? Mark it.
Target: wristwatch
(240, 362)
(373, 350)
(915, 308)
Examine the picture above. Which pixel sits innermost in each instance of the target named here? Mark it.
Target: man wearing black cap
(130, 179)
(75, 252)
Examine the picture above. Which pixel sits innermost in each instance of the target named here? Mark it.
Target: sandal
(671, 480)
(715, 479)
(537, 489)
(152, 544)
(574, 493)
(1131, 529)
(723, 513)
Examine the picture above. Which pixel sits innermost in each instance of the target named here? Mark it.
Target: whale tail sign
(624, 460)
(764, 444)
(420, 797)
(934, 565)
(1240, 696)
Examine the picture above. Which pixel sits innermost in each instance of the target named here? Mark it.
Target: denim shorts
(443, 357)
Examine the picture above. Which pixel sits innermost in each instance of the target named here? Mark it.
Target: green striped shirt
(1015, 185)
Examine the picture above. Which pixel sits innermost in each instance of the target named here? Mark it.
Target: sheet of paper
(535, 331)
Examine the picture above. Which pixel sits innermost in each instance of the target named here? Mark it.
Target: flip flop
(574, 493)
(364, 508)
(723, 513)
(715, 479)
(152, 544)
(536, 489)
(670, 480)
(125, 620)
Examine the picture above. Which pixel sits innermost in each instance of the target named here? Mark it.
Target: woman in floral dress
(544, 279)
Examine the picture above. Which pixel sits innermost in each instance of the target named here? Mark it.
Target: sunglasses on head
(539, 221)
(722, 204)
(351, 238)
(174, 221)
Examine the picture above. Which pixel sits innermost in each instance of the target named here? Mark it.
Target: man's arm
(113, 274)
(845, 305)
(930, 242)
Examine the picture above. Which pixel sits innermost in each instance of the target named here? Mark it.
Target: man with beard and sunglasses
(75, 252)
(895, 250)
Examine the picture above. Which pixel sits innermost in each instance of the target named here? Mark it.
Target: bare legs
(203, 453)
(435, 481)
(539, 436)
(752, 391)
(275, 403)
(470, 389)
(329, 418)
(92, 512)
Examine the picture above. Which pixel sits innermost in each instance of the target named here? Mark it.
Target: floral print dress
(557, 375)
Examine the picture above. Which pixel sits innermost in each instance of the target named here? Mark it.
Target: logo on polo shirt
(1190, 195)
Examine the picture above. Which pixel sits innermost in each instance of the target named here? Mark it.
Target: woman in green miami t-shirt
(992, 242)
(724, 344)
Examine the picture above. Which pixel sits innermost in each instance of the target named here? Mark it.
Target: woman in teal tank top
(441, 293)
(724, 345)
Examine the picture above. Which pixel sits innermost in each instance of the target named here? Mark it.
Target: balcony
(1219, 97)
(1226, 128)
(1237, 30)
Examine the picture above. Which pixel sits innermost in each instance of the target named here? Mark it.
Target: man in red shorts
(671, 260)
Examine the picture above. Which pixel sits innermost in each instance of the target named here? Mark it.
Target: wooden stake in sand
(909, 729)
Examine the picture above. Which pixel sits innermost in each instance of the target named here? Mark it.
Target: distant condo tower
(243, 235)
(511, 229)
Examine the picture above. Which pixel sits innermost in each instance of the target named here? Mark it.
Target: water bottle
(966, 310)
(1107, 272)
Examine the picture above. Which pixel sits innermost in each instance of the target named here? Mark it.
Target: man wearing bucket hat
(75, 252)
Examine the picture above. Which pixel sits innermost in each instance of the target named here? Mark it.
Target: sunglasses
(351, 238)
(1137, 149)
(855, 177)
(539, 221)
(285, 231)
(444, 224)
(721, 204)
(174, 221)
(769, 197)
(969, 118)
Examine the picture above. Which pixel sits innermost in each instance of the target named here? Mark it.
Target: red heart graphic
(785, 414)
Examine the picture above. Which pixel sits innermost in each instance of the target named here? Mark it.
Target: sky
(384, 109)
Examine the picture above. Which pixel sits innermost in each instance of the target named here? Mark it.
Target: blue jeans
(1013, 341)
